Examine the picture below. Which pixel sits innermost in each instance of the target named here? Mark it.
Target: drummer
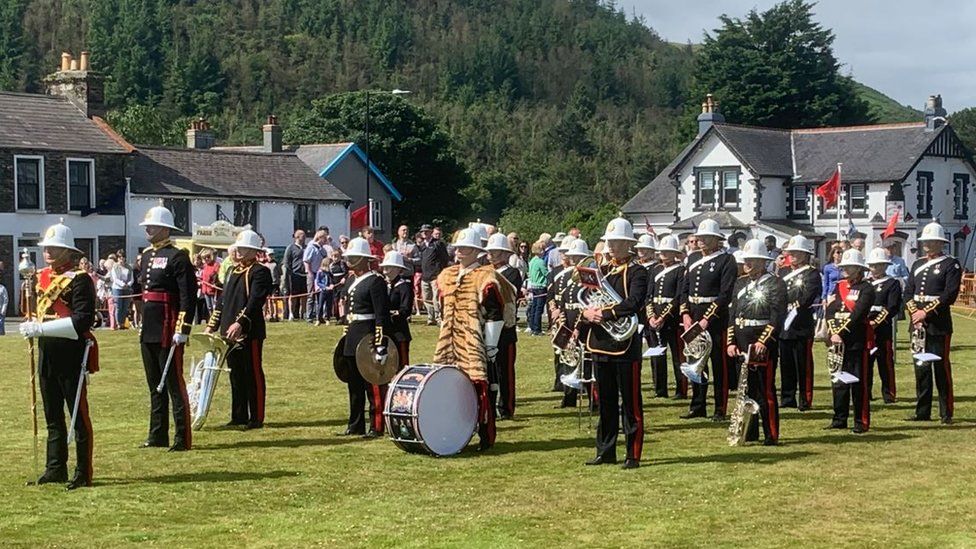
(238, 316)
(401, 302)
(368, 306)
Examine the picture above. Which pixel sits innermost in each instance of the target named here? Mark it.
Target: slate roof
(44, 122)
(323, 158)
(725, 221)
(229, 174)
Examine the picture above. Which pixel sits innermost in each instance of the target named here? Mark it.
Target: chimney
(75, 81)
(935, 115)
(272, 135)
(709, 115)
(199, 135)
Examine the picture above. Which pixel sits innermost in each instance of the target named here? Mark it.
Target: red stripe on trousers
(377, 416)
(404, 349)
(770, 399)
(258, 379)
(485, 417)
(865, 391)
(725, 386)
(950, 398)
(808, 389)
(638, 446)
(177, 368)
(87, 424)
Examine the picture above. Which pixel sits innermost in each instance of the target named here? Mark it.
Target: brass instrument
(835, 360)
(696, 351)
(596, 292)
(918, 342)
(745, 407)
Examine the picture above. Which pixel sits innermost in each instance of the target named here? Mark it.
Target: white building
(760, 181)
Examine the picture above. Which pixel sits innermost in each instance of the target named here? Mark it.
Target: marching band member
(399, 280)
(757, 311)
(617, 363)
(567, 313)
(499, 252)
(705, 297)
(847, 313)
(884, 314)
(555, 283)
(933, 286)
(803, 287)
(169, 289)
(646, 257)
(67, 353)
(368, 304)
(239, 317)
(645, 248)
(663, 301)
(473, 307)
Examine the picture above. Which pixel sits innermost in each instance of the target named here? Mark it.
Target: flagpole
(840, 196)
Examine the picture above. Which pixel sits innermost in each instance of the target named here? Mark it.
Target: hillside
(557, 109)
(885, 109)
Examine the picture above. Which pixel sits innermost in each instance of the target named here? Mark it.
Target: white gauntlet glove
(380, 355)
(30, 329)
(180, 339)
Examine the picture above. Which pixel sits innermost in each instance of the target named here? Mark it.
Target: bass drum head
(447, 412)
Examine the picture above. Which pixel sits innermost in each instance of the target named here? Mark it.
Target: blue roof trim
(354, 148)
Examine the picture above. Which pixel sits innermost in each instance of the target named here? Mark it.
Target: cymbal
(371, 370)
(340, 363)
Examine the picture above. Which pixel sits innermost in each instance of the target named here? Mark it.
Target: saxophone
(744, 409)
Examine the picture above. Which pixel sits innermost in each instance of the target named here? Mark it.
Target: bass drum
(431, 409)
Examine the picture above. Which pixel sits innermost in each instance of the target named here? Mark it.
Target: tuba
(596, 292)
(745, 407)
(696, 353)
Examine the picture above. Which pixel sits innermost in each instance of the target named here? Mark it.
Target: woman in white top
(120, 278)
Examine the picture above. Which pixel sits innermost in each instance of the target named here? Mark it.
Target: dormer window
(799, 200)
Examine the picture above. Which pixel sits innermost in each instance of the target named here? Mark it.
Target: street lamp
(369, 206)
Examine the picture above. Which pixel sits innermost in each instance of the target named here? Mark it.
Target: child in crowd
(323, 284)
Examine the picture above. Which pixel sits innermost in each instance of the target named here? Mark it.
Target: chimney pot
(84, 61)
(65, 61)
(710, 114)
(272, 135)
(198, 135)
(935, 114)
(74, 64)
(86, 90)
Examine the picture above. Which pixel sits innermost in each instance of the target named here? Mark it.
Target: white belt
(842, 315)
(750, 322)
(662, 300)
(925, 298)
(701, 299)
(877, 308)
(353, 317)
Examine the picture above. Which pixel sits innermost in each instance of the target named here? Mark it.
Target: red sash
(844, 288)
(61, 310)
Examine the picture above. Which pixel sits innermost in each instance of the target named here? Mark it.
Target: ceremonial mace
(28, 271)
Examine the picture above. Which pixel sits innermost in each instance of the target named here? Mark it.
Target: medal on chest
(159, 263)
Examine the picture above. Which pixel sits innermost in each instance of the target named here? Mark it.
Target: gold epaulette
(214, 320)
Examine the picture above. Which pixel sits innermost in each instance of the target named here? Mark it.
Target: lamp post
(369, 205)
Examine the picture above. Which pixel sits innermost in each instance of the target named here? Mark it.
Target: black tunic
(367, 295)
(887, 303)
(664, 291)
(630, 282)
(712, 279)
(802, 290)
(167, 269)
(852, 325)
(245, 292)
(60, 356)
(940, 282)
(401, 305)
(754, 302)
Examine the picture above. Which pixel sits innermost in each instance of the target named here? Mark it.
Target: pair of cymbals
(373, 371)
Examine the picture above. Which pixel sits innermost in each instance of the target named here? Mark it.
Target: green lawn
(296, 483)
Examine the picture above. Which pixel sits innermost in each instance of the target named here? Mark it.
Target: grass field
(295, 483)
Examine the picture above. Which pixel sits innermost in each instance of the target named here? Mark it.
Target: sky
(905, 49)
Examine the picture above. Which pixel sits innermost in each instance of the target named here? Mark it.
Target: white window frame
(699, 179)
(91, 180)
(794, 191)
(929, 179)
(850, 198)
(959, 189)
(738, 189)
(40, 191)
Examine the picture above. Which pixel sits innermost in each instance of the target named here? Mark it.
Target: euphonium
(573, 378)
(604, 296)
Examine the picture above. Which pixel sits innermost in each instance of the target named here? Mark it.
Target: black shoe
(660, 395)
(858, 430)
(770, 442)
(719, 418)
(484, 446)
(151, 444)
(373, 434)
(692, 415)
(679, 397)
(178, 447)
(803, 407)
(890, 400)
(916, 418)
(788, 404)
(349, 433)
(946, 420)
(253, 425)
(630, 464)
(233, 423)
(78, 482)
(48, 478)
(835, 426)
(504, 417)
(600, 460)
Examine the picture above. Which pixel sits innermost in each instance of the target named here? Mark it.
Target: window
(87, 246)
(181, 214)
(705, 184)
(81, 188)
(924, 196)
(799, 200)
(304, 217)
(246, 213)
(959, 246)
(960, 196)
(730, 189)
(376, 221)
(857, 198)
(29, 178)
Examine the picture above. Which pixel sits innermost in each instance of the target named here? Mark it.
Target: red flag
(890, 229)
(357, 219)
(965, 229)
(648, 228)
(830, 190)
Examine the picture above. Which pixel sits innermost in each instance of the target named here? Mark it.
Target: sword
(169, 360)
(82, 377)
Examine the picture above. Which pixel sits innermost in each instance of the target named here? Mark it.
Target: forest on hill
(547, 111)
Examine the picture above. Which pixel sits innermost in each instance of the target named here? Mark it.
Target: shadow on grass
(771, 456)
(846, 437)
(305, 423)
(212, 476)
(687, 425)
(277, 443)
(541, 398)
(504, 447)
(927, 425)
